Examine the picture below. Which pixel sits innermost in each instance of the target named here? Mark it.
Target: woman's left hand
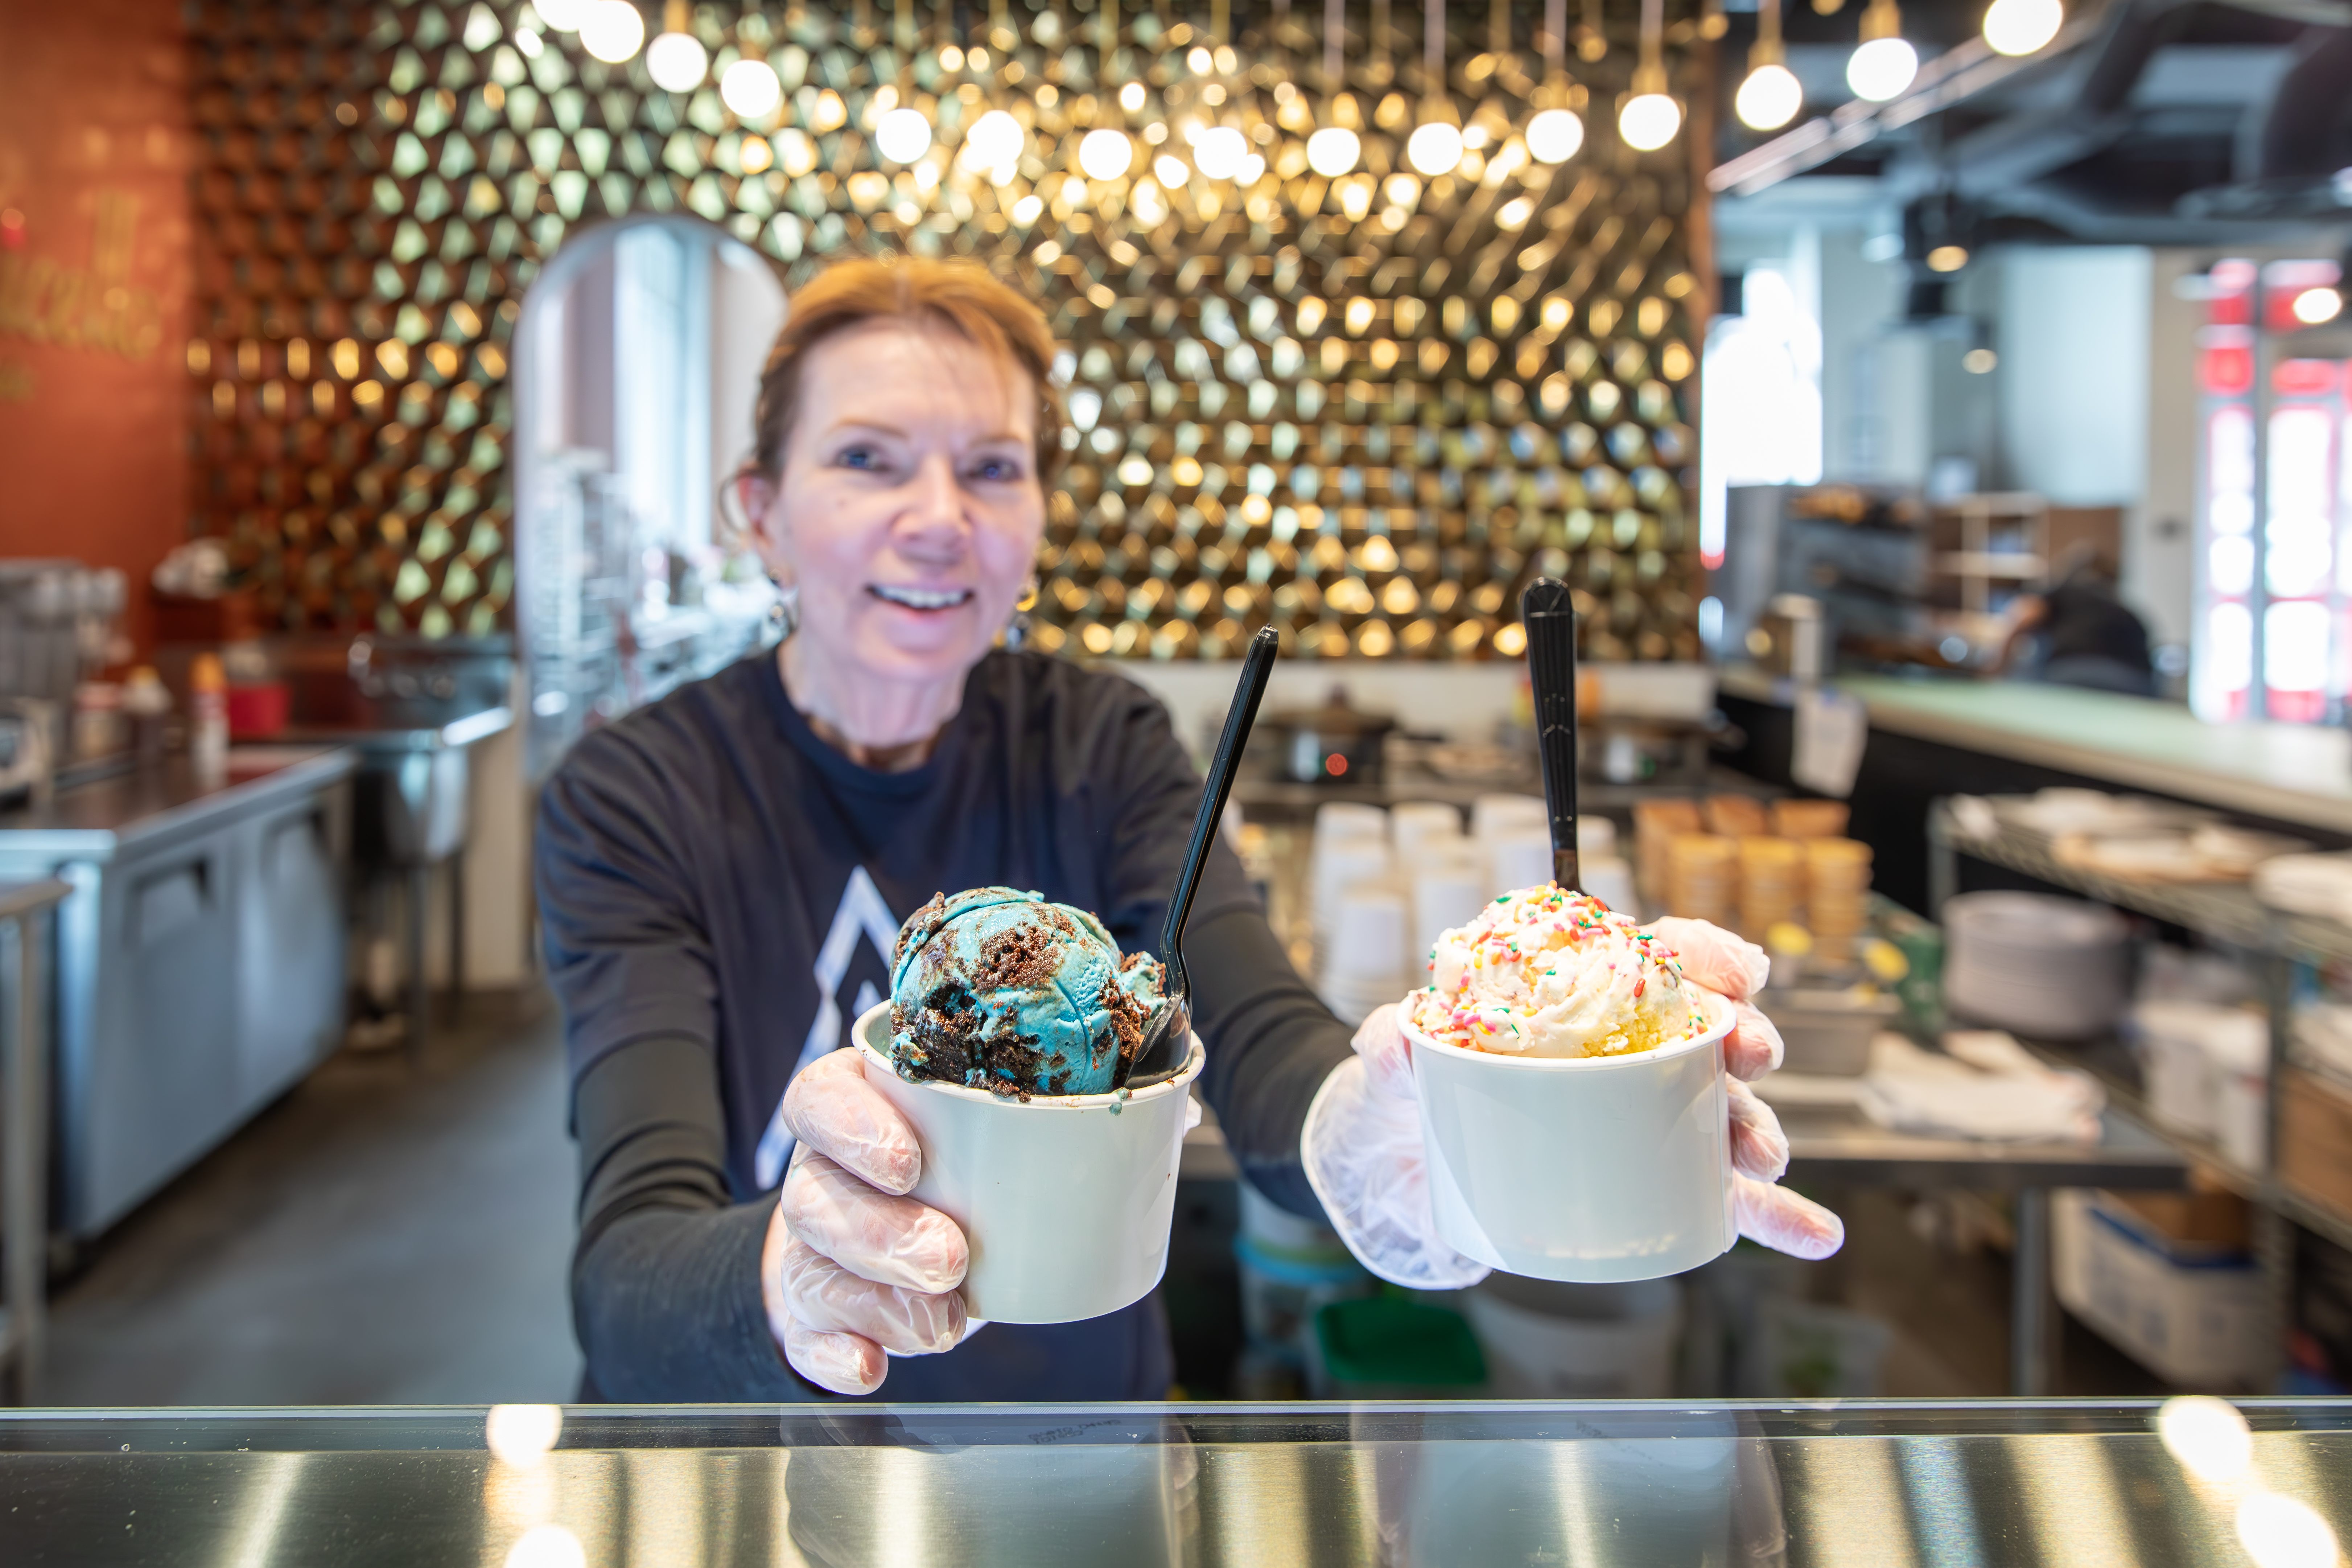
(1364, 1157)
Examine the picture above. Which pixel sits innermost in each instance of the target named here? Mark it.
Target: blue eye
(862, 457)
(997, 469)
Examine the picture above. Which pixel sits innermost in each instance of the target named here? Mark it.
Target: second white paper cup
(1589, 1169)
(1064, 1200)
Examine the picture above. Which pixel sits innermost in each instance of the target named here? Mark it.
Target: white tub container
(1592, 1169)
(1064, 1200)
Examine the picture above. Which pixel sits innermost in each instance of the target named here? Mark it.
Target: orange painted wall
(94, 284)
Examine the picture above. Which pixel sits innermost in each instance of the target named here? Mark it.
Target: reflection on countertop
(1526, 1482)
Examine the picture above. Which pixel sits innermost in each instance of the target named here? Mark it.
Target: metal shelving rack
(2226, 913)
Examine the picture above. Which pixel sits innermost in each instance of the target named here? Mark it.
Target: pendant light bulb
(1651, 116)
(2022, 26)
(1885, 64)
(613, 30)
(1771, 95)
(1769, 98)
(1435, 147)
(902, 135)
(995, 142)
(676, 59)
(1219, 151)
(1333, 151)
(750, 87)
(1649, 121)
(564, 15)
(1555, 135)
(1105, 154)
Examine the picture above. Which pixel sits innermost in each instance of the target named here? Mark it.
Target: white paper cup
(1590, 1169)
(1064, 1200)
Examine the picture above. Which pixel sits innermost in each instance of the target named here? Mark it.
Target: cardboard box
(2212, 1219)
(2315, 1138)
(2192, 1313)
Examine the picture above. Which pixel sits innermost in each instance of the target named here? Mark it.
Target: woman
(722, 875)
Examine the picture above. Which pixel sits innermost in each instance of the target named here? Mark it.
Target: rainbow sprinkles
(1546, 971)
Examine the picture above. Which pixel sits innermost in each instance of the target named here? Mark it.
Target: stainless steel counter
(1861, 1483)
(199, 967)
(135, 810)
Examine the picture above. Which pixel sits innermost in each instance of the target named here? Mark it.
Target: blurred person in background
(2077, 632)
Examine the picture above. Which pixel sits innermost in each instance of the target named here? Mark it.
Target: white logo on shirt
(864, 914)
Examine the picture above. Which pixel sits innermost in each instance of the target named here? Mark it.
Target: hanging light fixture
(1650, 116)
(1591, 38)
(676, 59)
(995, 142)
(612, 30)
(749, 88)
(1885, 62)
(1555, 131)
(1771, 95)
(1435, 147)
(2022, 26)
(1219, 151)
(1333, 149)
(902, 135)
(1105, 153)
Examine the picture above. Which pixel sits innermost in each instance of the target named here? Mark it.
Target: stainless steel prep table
(1831, 1484)
(199, 958)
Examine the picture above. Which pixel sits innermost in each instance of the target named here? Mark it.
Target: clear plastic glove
(1362, 1146)
(852, 1268)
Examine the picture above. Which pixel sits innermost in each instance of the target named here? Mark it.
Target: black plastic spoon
(1165, 1040)
(1550, 618)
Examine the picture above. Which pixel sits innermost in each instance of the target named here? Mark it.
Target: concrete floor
(381, 1235)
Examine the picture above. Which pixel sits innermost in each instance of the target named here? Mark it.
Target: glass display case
(535, 1486)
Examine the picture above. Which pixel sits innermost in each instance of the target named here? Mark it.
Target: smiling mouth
(921, 598)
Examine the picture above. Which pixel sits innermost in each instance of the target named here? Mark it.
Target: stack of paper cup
(1809, 818)
(1772, 884)
(1413, 821)
(1736, 816)
(1701, 877)
(1448, 891)
(1494, 816)
(1352, 845)
(1363, 964)
(1519, 858)
(1655, 825)
(1837, 895)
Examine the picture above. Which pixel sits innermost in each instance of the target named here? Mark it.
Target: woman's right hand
(852, 1268)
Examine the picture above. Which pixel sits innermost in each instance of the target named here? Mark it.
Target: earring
(1016, 630)
(784, 614)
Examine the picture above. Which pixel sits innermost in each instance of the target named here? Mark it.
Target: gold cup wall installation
(1365, 408)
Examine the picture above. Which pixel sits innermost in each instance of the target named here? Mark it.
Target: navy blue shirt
(719, 889)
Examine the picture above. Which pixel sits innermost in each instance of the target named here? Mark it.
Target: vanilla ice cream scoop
(1548, 972)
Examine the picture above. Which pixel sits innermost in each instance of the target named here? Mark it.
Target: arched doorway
(637, 362)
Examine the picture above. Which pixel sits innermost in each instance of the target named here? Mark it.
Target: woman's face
(908, 511)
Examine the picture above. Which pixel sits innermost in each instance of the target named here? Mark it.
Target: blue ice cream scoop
(1000, 990)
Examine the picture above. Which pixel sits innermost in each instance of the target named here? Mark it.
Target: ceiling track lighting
(1885, 63)
(1555, 131)
(1435, 147)
(1650, 116)
(1770, 96)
